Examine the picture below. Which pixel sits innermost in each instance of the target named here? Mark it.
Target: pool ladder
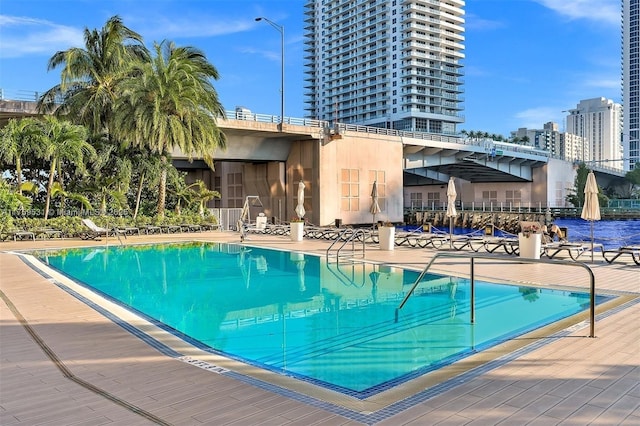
(354, 270)
(349, 235)
(472, 257)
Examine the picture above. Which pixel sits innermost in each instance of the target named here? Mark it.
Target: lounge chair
(47, 233)
(573, 249)
(17, 234)
(491, 244)
(151, 229)
(259, 227)
(96, 231)
(210, 226)
(190, 227)
(422, 237)
(633, 251)
(130, 230)
(170, 229)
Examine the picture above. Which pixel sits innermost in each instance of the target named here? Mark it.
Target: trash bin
(338, 223)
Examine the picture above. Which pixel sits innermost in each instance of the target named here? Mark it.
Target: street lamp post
(280, 29)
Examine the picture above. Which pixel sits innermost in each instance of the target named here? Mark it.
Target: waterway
(610, 233)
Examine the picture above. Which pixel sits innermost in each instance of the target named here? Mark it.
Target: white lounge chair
(98, 231)
(613, 254)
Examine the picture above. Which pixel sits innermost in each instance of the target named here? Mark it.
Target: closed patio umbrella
(451, 207)
(591, 208)
(375, 207)
(300, 207)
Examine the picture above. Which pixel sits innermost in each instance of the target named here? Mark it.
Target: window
(234, 190)
(416, 200)
(350, 190)
(490, 197)
(513, 198)
(433, 200)
(217, 186)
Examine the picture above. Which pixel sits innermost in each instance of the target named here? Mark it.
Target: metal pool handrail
(473, 256)
(347, 236)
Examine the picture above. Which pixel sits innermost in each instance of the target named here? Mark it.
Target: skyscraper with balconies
(385, 63)
(631, 82)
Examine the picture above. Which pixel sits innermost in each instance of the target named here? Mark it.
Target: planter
(297, 231)
(387, 237)
(531, 246)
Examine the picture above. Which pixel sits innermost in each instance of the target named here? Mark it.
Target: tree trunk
(103, 204)
(19, 174)
(49, 187)
(61, 181)
(138, 196)
(162, 195)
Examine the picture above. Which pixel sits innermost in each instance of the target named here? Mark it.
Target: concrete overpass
(427, 158)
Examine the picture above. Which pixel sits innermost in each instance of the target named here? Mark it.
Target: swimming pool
(298, 315)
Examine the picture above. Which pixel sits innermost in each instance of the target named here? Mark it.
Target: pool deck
(63, 362)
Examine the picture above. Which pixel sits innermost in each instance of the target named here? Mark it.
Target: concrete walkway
(65, 362)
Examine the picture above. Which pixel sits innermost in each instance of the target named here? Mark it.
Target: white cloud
(604, 83)
(198, 27)
(535, 118)
(607, 11)
(25, 36)
(269, 54)
(474, 22)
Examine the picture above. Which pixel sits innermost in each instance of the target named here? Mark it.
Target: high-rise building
(385, 63)
(599, 122)
(562, 145)
(631, 82)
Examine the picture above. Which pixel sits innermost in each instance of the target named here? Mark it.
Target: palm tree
(90, 78)
(58, 191)
(171, 104)
(148, 167)
(17, 139)
(90, 75)
(203, 194)
(63, 142)
(181, 191)
(110, 177)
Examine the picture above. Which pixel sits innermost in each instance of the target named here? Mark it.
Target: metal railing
(349, 235)
(267, 118)
(592, 288)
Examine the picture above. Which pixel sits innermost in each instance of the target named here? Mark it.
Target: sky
(526, 61)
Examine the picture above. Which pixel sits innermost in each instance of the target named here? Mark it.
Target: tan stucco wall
(365, 153)
(319, 165)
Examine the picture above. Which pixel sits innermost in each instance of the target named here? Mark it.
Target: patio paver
(571, 379)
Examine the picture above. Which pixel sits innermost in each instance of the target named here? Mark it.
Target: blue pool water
(296, 314)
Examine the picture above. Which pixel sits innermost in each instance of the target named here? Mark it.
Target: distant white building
(573, 148)
(599, 122)
(562, 145)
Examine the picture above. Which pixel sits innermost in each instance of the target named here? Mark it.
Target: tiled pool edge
(365, 417)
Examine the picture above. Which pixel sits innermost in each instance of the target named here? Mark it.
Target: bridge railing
(267, 118)
(19, 95)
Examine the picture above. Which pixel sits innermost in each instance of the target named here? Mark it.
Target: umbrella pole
(592, 241)
(451, 232)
